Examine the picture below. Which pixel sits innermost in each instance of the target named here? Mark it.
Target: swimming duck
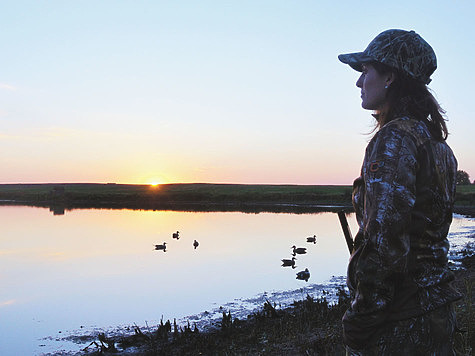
(195, 244)
(303, 275)
(161, 247)
(312, 239)
(299, 250)
(175, 235)
(288, 263)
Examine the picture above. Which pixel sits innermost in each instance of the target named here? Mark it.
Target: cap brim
(355, 60)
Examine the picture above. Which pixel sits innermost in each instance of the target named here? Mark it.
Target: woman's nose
(359, 82)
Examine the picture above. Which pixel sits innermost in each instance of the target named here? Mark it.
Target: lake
(96, 269)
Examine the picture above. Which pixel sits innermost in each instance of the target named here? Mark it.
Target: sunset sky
(208, 91)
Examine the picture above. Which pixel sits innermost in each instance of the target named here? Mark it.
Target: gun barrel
(346, 230)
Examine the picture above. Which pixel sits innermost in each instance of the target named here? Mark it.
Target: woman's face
(373, 88)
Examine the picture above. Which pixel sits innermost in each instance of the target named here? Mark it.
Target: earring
(385, 87)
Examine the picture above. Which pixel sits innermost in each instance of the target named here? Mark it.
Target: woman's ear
(390, 78)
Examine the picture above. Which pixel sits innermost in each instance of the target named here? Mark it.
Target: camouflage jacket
(404, 203)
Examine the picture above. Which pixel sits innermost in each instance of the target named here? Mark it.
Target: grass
(195, 191)
(465, 281)
(465, 195)
(171, 195)
(197, 196)
(309, 327)
(208, 189)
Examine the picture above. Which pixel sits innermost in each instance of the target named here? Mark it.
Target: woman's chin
(368, 106)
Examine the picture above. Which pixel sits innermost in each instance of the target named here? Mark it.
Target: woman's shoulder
(406, 127)
(403, 134)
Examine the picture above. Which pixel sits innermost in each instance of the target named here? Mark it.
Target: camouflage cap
(403, 50)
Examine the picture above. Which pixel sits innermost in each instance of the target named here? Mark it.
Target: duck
(176, 235)
(161, 247)
(288, 263)
(299, 250)
(303, 275)
(312, 239)
(195, 244)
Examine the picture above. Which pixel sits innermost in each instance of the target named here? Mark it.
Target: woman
(398, 275)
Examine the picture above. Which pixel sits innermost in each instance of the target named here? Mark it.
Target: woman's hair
(409, 97)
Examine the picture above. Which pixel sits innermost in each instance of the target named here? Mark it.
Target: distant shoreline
(251, 198)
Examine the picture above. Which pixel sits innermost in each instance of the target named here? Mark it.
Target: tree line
(463, 178)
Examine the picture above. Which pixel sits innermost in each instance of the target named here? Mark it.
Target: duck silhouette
(288, 263)
(195, 244)
(161, 247)
(299, 250)
(303, 275)
(312, 239)
(176, 235)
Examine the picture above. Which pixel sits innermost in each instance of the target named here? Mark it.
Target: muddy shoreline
(311, 326)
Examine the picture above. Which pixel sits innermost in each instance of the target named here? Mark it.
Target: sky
(208, 91)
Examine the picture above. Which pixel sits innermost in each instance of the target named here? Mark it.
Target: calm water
(88, 269)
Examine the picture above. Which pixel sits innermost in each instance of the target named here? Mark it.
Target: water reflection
(303, 275)
(57, 209)
(162, 247)
(288, 263)
(99, 268)
(312, 239)
(298, 250)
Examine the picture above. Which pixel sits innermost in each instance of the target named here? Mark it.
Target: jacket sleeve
(389, 172)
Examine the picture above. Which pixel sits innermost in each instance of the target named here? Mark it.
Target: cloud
(7, 302)
(45, 133)
(7, 87)
(55, 256)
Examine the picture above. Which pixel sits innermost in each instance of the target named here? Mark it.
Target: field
(176, 196)
(212, 190)
(465, 195)
(194, 196)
